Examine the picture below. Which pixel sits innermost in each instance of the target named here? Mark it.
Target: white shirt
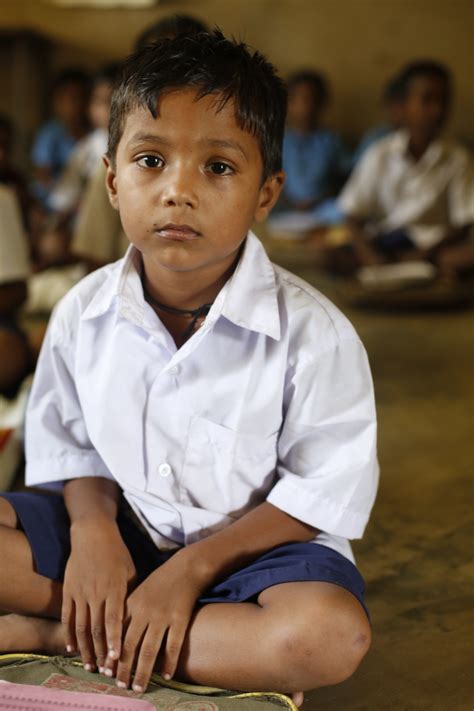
(426, 197)
(270, 399)
(14, 260)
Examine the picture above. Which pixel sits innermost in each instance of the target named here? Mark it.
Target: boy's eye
(219, 168)
(150, 162)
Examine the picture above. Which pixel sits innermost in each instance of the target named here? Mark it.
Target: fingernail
(121, 684)
(167, 677)
(69, 648)
(137, 688)
(111, 654)
(87, 667)
(101, 669)
(108, 672)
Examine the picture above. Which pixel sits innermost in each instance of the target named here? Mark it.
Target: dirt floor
(417, 554)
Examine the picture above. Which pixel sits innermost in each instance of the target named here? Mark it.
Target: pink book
(43, 698)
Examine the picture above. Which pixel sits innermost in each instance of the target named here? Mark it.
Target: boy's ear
(269, 194)
(110, 183)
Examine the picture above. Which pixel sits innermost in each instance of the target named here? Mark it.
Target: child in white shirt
(412, 194)
(207, 416)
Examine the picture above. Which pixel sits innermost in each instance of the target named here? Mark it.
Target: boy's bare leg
(298, 637)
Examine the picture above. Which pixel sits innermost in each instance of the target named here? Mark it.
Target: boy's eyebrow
(223, 143)
(148, 138)
(142, 137)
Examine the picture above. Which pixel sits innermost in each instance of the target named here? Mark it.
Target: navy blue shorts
(45, 521)
(394, 241)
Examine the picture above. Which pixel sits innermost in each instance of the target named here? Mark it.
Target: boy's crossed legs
(299, 636)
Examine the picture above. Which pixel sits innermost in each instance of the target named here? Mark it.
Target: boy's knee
(8, 516)
(323, 650)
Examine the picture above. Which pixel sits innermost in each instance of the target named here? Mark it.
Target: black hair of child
(108, 74)
(170, 26)
(423, 68)
(316, 80)
(70, 76)
(212, 65)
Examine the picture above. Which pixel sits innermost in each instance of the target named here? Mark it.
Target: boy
(228, 400)
(57, 138)
(412, 194)
(314, 159)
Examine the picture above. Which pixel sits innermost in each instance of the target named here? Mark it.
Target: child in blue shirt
(315, 160)
(208, 417)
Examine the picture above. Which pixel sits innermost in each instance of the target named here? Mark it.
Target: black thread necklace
(195, 313)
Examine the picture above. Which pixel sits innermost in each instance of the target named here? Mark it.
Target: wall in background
(357, 43)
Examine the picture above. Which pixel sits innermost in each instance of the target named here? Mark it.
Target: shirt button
(164, 469)
(174, 370)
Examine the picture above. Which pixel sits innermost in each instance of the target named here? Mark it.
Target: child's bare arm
(159, 611)
(98, 572)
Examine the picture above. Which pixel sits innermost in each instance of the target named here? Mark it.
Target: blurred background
(417, 554)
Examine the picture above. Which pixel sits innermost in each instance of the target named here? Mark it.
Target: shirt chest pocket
(226, 471)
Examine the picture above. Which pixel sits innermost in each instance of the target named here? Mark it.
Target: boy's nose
(179, 192)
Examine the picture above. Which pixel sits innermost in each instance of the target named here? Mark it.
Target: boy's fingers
(130, 649)
(174, 644)
(113, 625)
(67, 621)
(84, 641)
(98, 633)
(149, 649)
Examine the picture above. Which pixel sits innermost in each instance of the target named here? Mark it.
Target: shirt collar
(433, 152)
(248, 298)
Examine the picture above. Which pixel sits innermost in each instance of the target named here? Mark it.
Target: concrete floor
(417, 554)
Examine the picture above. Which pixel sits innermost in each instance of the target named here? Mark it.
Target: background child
(412, 194)
(228, 401)
(314, 158)
(56, 139)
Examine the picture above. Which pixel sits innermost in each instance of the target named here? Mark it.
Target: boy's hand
(98, 574)
(157, 616)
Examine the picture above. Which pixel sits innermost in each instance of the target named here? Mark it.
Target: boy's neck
(187, 290)
(418, 144)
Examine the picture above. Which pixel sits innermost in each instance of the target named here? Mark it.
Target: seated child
(88, 152)
(392, 105)
(314, 158)
(412, 194)
(207, 416)
(15, 357)
(57, 138)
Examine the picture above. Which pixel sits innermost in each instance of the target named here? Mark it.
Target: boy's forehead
(183, 114)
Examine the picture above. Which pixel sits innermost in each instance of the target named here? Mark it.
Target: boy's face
(426, 106)
(188, 184)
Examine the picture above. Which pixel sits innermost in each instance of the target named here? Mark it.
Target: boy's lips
(181, 233)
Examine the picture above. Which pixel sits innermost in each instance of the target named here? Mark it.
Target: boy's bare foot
(19, 633)
(298, 698)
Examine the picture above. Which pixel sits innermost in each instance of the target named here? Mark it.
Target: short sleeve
(358, 198)
(461, 193)
(327, 455)
(14, 259)
(57, 443)
(43, 147)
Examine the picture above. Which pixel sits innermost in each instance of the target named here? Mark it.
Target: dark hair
(171, 26)
(422, 68)
(108, 74)
(211, 64)
(393, 90)
(70, 76)
(316, 80)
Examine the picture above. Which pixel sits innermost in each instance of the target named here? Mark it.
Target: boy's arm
(252, 535)
(99, 569)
